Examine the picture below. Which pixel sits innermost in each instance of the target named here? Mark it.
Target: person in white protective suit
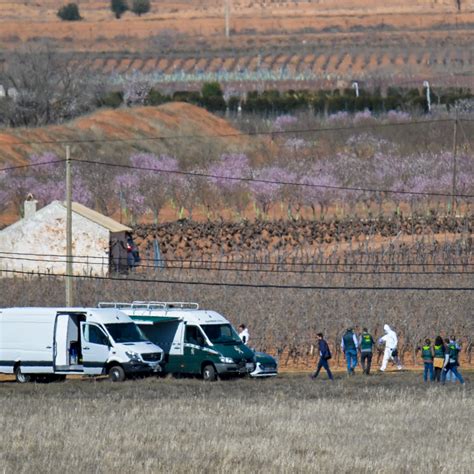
(390, 353)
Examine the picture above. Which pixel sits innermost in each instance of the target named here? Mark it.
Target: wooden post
(69, 296)
(455, 147)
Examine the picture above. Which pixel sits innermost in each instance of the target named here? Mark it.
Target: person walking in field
(451, 362)
(324, 356)
(244, 334)
(439, 358)
(349, 345)
(427, 355)
(390, 340)
(366, 345)
(450, 377)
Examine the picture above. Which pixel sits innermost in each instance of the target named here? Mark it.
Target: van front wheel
(116, 373)
(209, 373)
(20, 376)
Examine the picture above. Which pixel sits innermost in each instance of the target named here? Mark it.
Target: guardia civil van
(196, 341)
(50, 343)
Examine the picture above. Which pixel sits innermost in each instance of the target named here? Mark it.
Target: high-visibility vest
(427, 353)
(366, 342)
(453, 353)
(439, 351)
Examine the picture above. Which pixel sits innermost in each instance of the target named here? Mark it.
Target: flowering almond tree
(158, 181)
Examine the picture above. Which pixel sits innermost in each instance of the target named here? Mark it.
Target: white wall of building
(45, 233)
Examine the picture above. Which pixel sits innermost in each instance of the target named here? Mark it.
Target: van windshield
(221, 333)
(125, 332)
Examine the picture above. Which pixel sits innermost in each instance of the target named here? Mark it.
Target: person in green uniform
(452, 356)
(427, 355)
(366, 346)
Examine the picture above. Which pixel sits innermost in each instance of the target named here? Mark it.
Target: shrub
(212, 97)
(112, 99)
(156, 98)
(139, 7)
(69, 12)
(119, 7)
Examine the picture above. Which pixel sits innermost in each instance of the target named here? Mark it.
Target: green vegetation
(69, 12)
(119, 7)
(140, 7)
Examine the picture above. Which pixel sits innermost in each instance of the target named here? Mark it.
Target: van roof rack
(114, 304)
(164, 305)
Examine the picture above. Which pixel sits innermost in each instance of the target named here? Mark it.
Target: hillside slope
(193, 130)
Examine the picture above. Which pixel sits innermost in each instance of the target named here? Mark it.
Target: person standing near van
(439, 356)
(244, 334)
(427, 356)
(324, 356)
(366, 345)
(349, 346)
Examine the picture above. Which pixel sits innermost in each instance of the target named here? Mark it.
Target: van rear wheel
(20, 376)
(116, 373)
(209, 373)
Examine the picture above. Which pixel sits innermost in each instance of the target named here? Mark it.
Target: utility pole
(227, 17)
(69, 299)
(455, 149)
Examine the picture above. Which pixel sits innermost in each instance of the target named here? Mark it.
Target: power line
(225, 262)
(245, 285)
(229, 135)
(32, 165)
(266, 181)
(107, 263)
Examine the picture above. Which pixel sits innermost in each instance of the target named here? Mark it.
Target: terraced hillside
(321, 42)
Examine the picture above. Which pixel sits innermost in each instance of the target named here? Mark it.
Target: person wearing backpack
(324, 357)
(349, 345)
(452, 356)
(449, 374)
(427, 355)
(439, 358)
(366, 345)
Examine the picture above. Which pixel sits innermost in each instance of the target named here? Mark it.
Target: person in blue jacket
(324, 356)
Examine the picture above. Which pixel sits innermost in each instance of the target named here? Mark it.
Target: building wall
(45, 233)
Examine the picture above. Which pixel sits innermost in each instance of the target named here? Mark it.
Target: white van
(50, 343)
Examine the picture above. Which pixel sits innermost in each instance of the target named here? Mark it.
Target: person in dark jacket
(366, 346)
(439, 358)
(324, 356)
(349, 345)
(451, 361)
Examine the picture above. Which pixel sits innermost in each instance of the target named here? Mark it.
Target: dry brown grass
(389, 423)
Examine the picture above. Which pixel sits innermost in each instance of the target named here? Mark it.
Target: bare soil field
(122, 130)
(385, 423)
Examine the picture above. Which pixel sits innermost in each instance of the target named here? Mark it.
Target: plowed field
(273, 41)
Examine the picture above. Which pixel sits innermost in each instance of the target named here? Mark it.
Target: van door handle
(86, 348)
(49, 347)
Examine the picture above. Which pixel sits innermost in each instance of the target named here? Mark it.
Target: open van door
(95, 348)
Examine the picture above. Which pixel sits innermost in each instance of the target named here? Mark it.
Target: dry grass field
(385, 423)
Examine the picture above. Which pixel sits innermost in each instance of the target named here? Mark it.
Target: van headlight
(226, 360)
(133, 355)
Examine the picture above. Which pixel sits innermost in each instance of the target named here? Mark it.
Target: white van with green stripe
(195, 341)
(51, 343)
